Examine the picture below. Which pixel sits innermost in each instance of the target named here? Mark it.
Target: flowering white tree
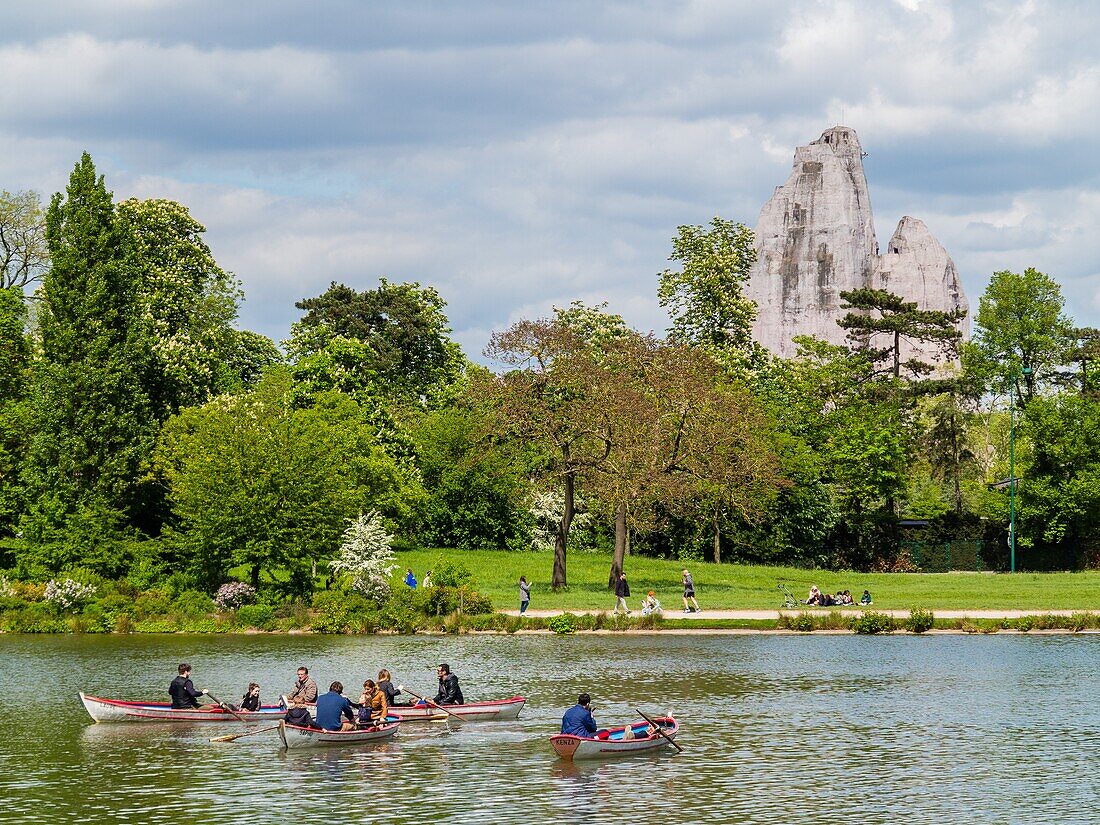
(68, 593)
(546, 509)
(367, 556)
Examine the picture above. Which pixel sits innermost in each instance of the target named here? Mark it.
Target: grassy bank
(751, 587)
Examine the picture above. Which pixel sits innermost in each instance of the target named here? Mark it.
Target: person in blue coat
(578, 720)
(410, 578)
(334, 705)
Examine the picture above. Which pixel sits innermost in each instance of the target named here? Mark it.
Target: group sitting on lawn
(843, 597)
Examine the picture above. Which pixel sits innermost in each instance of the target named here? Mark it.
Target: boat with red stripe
(295, 737)
(121, 710)
(470, 712)
(615, 742)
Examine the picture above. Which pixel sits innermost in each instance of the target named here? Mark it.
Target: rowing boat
(294, 737)
(613, 744)
(470, 712)
(119, 710)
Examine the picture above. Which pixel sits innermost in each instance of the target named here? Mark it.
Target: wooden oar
(658, 727)
(224, 706)
(430, 702)
(230, 737)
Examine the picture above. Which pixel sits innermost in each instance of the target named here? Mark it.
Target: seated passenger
(298, 715)
(334, 711)
(251, 698)
(578, 720)
(373, 707)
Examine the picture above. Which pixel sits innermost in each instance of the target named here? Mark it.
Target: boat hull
(470, 712)
(573, 748)
(298, 738)
(118, 710)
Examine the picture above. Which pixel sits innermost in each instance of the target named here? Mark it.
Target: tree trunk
(897, 355)
(254, 576)
(717, 540)
(561, 538)
(620, 546)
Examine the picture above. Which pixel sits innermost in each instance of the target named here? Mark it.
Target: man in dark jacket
(622, 591)
(449, 691)
(578, 720)
(182, 690)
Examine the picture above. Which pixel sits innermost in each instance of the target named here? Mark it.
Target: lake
(990, 729)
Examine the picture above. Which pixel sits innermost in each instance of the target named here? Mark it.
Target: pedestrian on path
(524, 595)
(622, 591)
(689, 593)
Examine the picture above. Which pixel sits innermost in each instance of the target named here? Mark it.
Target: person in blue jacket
(578, 719)
(410, 578)
(334, 705)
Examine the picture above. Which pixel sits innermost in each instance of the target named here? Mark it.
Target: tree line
(144, 436)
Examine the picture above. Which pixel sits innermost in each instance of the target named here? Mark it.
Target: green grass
(753, 587)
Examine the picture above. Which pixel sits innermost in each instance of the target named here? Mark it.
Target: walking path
(774, 614)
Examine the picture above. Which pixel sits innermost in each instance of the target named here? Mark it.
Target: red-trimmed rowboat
(294, 737)
(471, 711)
(118, 710)
(579, 747)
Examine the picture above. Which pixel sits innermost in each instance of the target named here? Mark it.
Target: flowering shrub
(366, 555)
(5, 587)
(546, 511)
(67, 594)
(232, 595)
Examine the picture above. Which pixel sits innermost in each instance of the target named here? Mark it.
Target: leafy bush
(920, 620)
(259, 616)
(563, 624)
(442, 601)
(803, 623)
(448, 573)
(152, 604)
(871, 622)
(194, 603)
(232, 595)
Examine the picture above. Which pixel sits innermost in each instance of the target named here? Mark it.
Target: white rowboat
(294, 737)
(470, 712)
(614, 744)
(119, 710)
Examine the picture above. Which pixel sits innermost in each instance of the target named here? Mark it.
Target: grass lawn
(751, 587)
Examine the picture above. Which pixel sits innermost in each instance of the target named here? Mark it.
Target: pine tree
(92, 423)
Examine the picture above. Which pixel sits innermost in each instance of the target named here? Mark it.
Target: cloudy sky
(519, 155)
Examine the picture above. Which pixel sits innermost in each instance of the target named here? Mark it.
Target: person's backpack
(299, 717)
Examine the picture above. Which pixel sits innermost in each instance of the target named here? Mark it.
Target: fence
(943, 557)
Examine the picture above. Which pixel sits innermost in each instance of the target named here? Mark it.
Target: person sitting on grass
(865, 599)
(334, 710)
(816, 597)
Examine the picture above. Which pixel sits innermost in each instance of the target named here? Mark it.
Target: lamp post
(1012, 478)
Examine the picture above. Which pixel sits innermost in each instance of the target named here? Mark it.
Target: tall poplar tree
(92, 422)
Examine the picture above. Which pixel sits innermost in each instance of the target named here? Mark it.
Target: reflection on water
(992, 729)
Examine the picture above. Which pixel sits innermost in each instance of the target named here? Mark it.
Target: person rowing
(334, 710)
(182, 690)
(578, 720)
(449, 691)
(305, 689)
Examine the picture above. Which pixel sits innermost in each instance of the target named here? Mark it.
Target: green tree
(93, 424)
(882, 314)
(255, 481)
(705, 299)
(186, 302)
(1021, 335)
(404, 329)
(24, 255)
(15, 365)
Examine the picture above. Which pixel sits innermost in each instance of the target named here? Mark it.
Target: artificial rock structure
(816, 239)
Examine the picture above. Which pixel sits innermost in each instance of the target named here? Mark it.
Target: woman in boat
(251, 698)
(373, 707)
(386, 686)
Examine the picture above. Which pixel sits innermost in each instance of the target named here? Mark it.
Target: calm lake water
(997, 729)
